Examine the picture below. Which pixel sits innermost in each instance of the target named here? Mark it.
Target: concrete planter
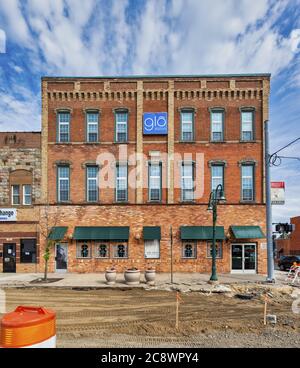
(110, 276)
(150, 276)
(132, 277)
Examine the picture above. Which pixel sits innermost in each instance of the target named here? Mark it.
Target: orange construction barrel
(31, 327)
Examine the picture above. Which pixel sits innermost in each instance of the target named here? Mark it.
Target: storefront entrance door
(9, 257)
(61, 257)
(243, 258)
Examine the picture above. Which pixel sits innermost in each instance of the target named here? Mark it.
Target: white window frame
(187, 177)
(115, 247)
(153, 243)
(121, 123)
(184, 244)
(219, 249)
(27, 195)
(154, 178)
(63, 123)
(97, 245)
(12, 195)
(247, 123)
(217, 123)
(247, 177)
(92, 179)
(59, 180)
(185, 124)
(120, 179)
(218, 179)
(78, 250)
(89, 124)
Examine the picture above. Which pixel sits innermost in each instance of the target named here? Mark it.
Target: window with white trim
(189, 249)
(102, 250)
(187, 181)
(121, 183)
(217, 133)
(120, 251)
(15, 194)
(27, 194)
(63, 182)
(217, 177)
(84, 250)
(187, 126)
(219, 249)
(247, 125)
(92, 122)
(152, 248)
(154, 181)
(121, 126)
(248, 182)
(63, 127)
(92, 183)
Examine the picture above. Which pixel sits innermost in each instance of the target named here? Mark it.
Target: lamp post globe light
(215, 197)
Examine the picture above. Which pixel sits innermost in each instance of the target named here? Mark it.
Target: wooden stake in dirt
(265, 309)
(178, 300)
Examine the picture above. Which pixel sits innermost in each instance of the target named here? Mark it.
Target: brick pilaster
(171, 142)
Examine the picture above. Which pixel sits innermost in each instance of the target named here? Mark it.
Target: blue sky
(114, 37)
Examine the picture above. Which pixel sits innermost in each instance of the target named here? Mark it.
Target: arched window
(21, 187)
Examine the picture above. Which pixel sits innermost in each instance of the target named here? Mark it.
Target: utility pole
(270, 252)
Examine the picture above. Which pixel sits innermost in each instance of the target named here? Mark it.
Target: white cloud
(2, 42)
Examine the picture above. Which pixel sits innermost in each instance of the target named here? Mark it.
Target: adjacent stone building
(128, 165)
(20, 190)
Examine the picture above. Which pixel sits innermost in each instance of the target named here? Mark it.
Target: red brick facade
(200, 94)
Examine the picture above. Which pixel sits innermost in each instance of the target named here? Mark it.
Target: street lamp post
(215, 197)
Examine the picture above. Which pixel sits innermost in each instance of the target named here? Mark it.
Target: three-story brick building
(127, 160)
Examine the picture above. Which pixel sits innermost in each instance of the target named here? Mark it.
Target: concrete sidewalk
(97, 280)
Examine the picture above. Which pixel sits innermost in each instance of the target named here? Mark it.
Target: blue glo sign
(155, 123)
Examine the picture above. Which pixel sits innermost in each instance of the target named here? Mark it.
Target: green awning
(57, 233)
(151, 233)
(247, 232)
(201, 232)
(116, 233)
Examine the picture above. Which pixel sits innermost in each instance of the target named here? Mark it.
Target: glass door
(243, 258)
(61, 257)
(237, 257)
(9, 257)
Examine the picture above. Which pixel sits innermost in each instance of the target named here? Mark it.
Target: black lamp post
(215, 197)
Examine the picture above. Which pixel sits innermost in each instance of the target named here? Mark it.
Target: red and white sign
(278, 192)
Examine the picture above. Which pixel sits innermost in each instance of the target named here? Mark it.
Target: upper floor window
(187, 181)
(121, 126)
(21, 187)
(63, 127)
(26, 194)
(121, 183)
(92, 122)
(217, 177)
(187, 126)
(247, 131)
(217, 125)
(15, 194)
(92, 183)
(63, 183)
(154, 181)
(248, 182)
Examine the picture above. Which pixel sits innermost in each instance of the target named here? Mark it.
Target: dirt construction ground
(141, 318)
